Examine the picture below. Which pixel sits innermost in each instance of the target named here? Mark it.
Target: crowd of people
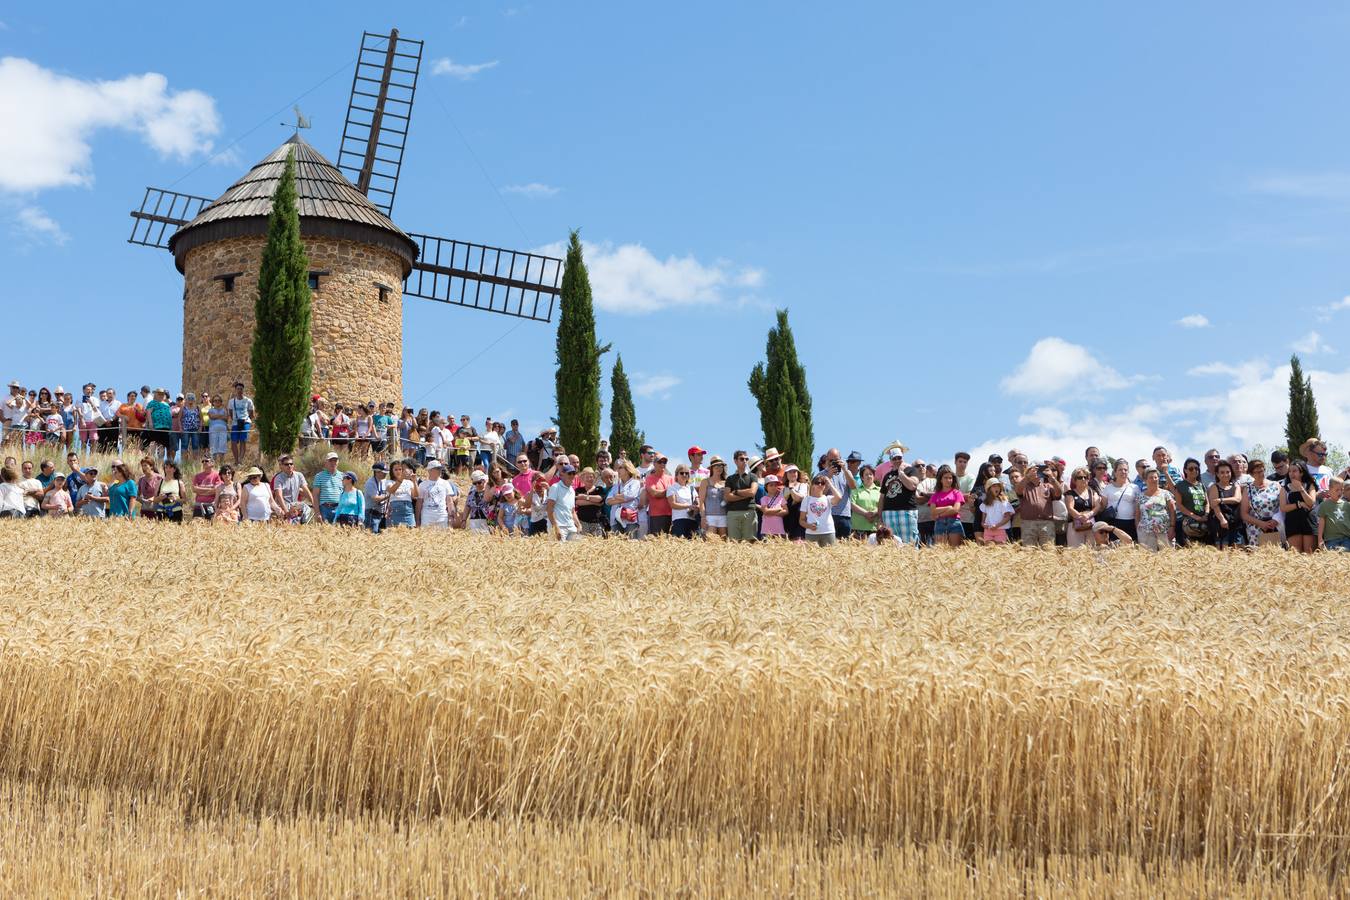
(536, 487)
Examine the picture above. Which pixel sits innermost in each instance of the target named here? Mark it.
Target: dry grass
(1028, 713)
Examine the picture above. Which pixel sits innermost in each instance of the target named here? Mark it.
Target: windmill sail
(378, 114)
(510, 282)
(162, 212)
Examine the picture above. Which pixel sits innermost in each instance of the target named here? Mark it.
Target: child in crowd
(1333, 518)
(998, 513)
(57, 502)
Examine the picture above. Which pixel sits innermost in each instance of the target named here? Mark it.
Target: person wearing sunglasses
(1314, 453)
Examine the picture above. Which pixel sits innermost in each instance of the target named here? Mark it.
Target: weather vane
(301, 120)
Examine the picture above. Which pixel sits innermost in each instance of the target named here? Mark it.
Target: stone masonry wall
(358, 340)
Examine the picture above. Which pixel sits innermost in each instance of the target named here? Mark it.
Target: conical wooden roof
(329, 205)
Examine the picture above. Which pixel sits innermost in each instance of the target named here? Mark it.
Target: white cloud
(1248, 409)
(629, 279)
(1305, 185)
(49, 119)
(533, 189)
(1055, 367)
(1194, 320)
(1244, 372)
(462, 71)
(652, 385)
(1311, 343)
(35, 223)
(1324, 313)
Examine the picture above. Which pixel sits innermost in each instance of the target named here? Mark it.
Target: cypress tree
(623, 430)
(1301, 423)
(578, 376)
(779, 387)
(282, 357)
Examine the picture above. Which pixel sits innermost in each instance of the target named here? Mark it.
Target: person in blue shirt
(159, 419)
(514, 441)
(351, 505)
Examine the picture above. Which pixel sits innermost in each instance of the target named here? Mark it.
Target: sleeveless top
(716, 504)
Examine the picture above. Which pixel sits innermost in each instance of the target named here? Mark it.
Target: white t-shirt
(16, 410)
(31, 484)
(490, 440)
(436, 495)
(872, 539)
(564, 499)
(818, 511)
(257, 501)
(1128, 497)
(403, 491)
(11, 498)
(685, 494)
(994, 512)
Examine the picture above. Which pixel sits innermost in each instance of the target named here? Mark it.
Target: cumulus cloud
(1055, 367)
(645, 385)
(1193, 321)
(462, 71)
(1310, 343)
(533, 189)
(34, 223)
(630, 279)
(1247, 409)
(50, 119)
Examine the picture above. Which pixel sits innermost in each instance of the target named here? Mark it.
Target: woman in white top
(11, 495)
(403, 496)
(1121, 495)
(255, 497)
(683, 498)
(626, 497)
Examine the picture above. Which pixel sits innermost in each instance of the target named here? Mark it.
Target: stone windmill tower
(362, 265)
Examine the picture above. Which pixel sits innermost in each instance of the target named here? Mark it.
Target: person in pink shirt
(946, 502)
(773, 506)
(654, 488)
(523, 482)
(205, 486)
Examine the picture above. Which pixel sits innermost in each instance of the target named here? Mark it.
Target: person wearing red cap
(697, 472)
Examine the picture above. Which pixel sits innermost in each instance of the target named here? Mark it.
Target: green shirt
(1336, 516)
(864, 499)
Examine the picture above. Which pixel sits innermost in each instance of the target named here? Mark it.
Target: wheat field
(308, 712)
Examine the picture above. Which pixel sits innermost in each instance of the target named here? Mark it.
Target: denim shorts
(1338, 544)
(950, 525)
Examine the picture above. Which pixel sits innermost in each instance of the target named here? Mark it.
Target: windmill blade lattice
(162, 213)
(378, 114)
(510, 282)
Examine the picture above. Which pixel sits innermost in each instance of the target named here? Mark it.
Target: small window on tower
(315, 275)
(384, 291)
(226, 280)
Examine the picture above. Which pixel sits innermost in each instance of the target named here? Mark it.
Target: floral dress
(1153, 515)
(1264, 504)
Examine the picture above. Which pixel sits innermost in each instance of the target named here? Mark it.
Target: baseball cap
(434, 464)
(772, 479)
(478, 476)
(897, 453)
(695, 449)
(854, 456)
(380, 467)
(331, 456)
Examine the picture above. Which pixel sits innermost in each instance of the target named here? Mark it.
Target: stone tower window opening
(226, 280)
(384, 291)
(315, 275)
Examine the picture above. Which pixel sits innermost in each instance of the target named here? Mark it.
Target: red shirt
(658, 506)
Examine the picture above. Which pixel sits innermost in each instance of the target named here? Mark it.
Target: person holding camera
(1038, 490)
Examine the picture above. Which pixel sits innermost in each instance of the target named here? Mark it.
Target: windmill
(362, 264)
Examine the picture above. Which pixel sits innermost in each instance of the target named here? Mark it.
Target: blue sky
(997, 225)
